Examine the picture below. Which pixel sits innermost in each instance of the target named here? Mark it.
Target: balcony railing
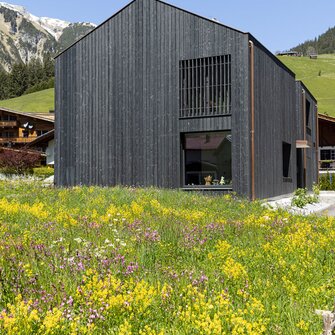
(17, 139)
(327, 164)
(8, 124)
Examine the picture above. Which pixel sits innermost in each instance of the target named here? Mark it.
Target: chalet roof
(327, 118)
(42, 139)
(288, 53)
(49, 117)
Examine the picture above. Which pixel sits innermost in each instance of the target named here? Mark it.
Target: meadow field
(91, 260)
(37, 102)
(319, 77)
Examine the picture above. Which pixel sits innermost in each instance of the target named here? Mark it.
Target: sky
(277, 24)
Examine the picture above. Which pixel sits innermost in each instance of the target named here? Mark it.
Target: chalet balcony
(17, 139)
(5, 124)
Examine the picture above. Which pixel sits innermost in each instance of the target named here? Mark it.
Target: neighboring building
(158, 96)
(46, 144)
(327, 142)
(18, 128)
(290, 53)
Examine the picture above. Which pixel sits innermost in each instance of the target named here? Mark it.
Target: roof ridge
(159, 1)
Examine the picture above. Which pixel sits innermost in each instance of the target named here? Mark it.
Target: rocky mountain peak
(24, 36)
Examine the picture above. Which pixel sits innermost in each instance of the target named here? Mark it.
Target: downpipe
(252, 110)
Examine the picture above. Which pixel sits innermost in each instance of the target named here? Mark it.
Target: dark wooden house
(159, 96)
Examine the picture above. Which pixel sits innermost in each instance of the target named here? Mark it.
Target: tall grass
(149, 261)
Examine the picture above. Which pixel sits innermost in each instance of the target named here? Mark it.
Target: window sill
(207, 188)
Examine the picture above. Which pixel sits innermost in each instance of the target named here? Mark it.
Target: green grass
(37, 102)
(319, 77)
(91, 260)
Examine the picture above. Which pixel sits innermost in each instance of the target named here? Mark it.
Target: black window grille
(205, 87)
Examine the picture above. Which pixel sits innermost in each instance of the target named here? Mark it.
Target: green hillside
(324, 44)
(37, 102)
(319, 77)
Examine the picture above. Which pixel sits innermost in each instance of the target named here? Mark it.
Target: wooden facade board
(275, 109)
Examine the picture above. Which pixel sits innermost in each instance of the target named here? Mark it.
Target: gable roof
(327, 118)
(42, 139)
(159, 1)
(38, 116)
(250, 36)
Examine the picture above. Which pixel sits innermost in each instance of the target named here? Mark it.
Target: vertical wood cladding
(274, 125)
(117, 96)
(279, 121)
(306, 128)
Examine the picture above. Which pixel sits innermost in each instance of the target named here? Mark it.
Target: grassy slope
(322, 87)
(37, 102)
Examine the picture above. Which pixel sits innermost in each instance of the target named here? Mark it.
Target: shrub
(327, 182)
(43, 171)
(301, 198)
(18, 161)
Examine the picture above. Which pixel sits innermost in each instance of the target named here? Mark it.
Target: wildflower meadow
(91, 260)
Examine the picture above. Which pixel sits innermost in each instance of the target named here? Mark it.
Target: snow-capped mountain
(24, 36)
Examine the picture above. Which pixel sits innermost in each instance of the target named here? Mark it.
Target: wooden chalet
(326, 142)
(18, 128)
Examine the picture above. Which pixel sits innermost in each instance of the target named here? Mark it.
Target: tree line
(27, 78)
(324, 44)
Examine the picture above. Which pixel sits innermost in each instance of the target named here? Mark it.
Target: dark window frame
(286, 161)
(188, 146)
(308, 117)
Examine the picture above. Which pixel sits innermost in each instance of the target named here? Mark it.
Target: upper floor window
(6, 117)
(308, 118)
(286, 152)
(205, 86)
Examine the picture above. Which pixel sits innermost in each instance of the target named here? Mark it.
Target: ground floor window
(207, 158)
(286, 147)
(327, 154)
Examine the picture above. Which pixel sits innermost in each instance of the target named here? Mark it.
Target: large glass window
(207, 158)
